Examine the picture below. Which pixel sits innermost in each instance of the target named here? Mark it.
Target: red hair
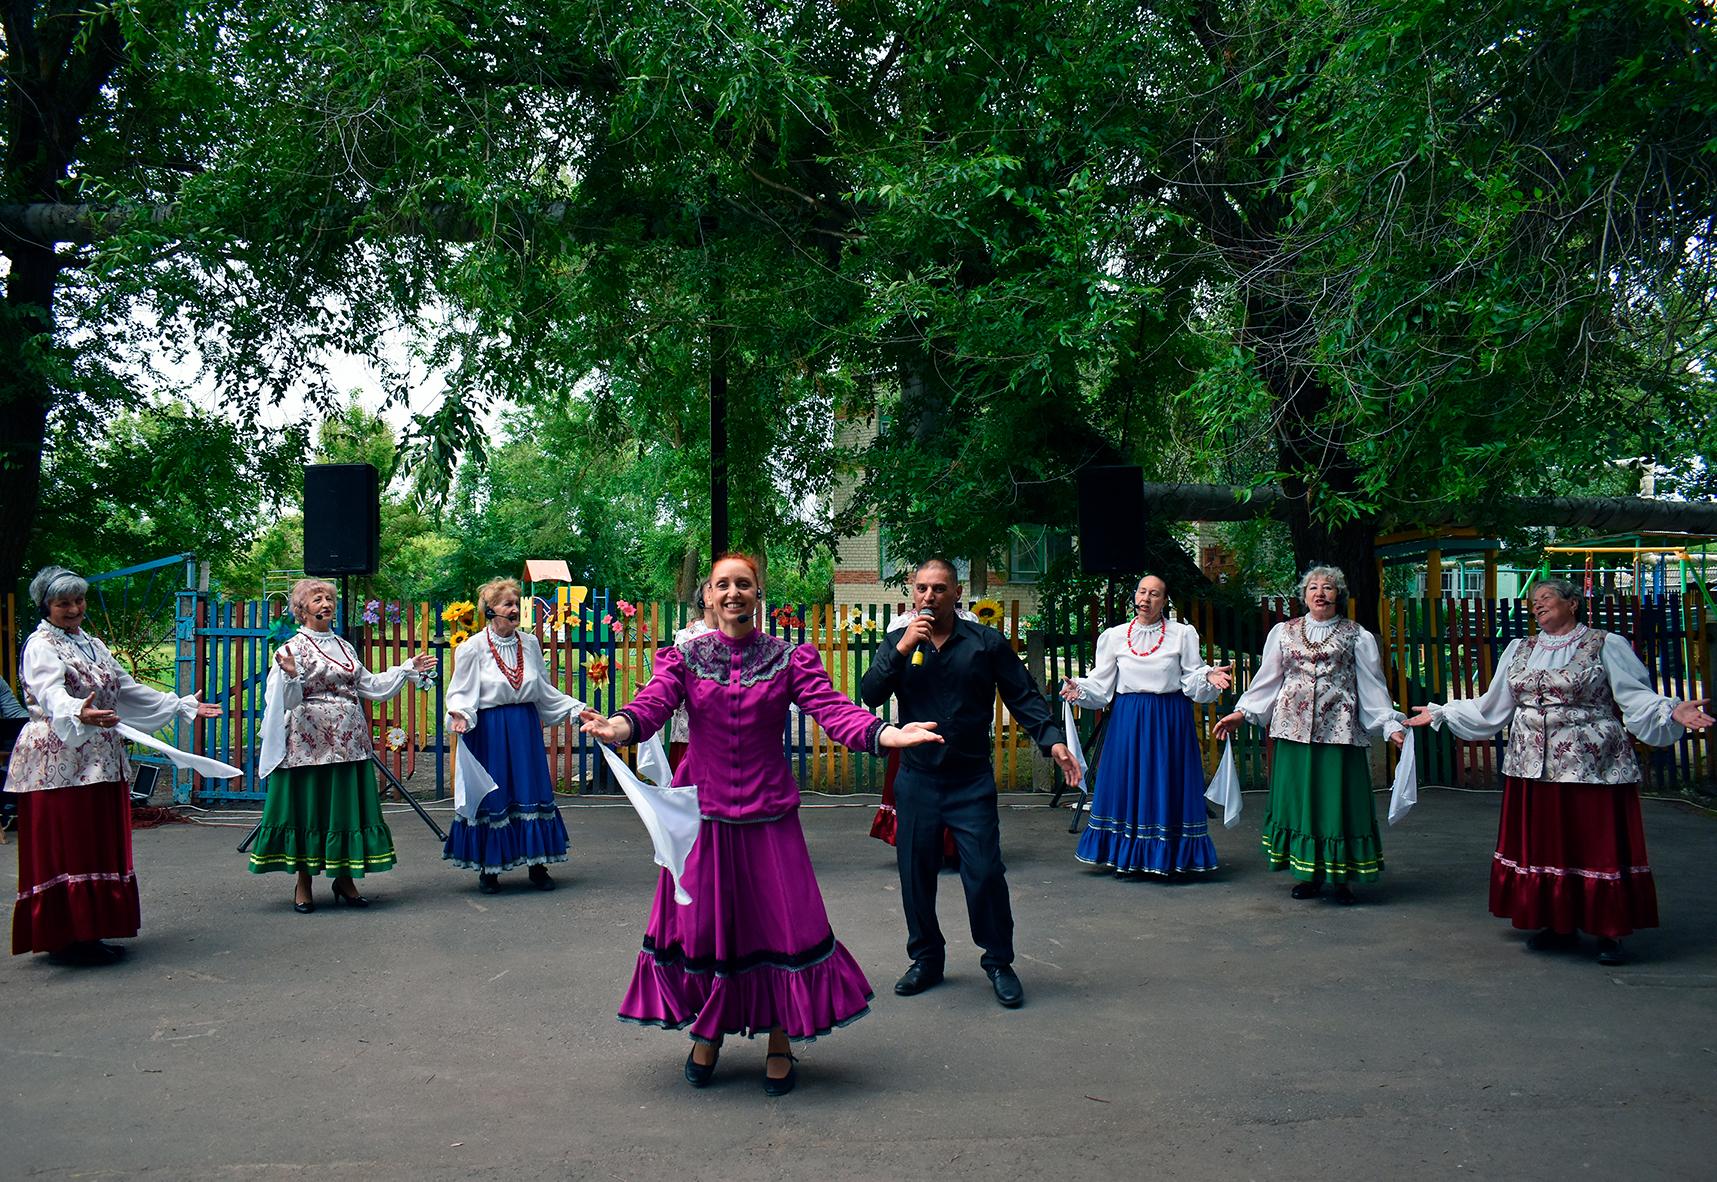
(738, 556)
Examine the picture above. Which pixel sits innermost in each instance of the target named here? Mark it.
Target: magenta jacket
(736, 693)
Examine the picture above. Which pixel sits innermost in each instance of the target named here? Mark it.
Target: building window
(892, 565)
(1033, 549)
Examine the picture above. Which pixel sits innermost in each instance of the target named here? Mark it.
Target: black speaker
(342, 519)
(1112, 521)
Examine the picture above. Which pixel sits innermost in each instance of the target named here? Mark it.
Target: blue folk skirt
(518, 823)
(1147, 812)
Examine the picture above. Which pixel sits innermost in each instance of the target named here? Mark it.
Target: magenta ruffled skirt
(753, 950)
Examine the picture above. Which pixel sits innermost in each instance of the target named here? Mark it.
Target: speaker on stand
(342, 525)
(1111, 542)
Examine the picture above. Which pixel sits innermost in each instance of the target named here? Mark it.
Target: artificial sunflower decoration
(989, 612)
(461, 613)
(458, 637)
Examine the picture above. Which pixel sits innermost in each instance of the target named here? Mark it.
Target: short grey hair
(1564, 588)
(54, 583)
(298, 599)
(1332, 573)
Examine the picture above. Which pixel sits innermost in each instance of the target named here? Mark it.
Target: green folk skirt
(323, 819)
(1320, 822)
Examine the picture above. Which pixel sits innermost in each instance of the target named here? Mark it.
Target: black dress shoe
(1550, 940)
(1307, 890)
(698, 1074)
(85, 954)
(918, 978)
(1008, 989)
(353, 900)
(1611, 951)
(780, 1087)
(1345, 896)
(306, 907)
(540, 878)
(489, 884)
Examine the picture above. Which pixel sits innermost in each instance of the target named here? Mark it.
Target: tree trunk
(60, 63)
(1315, 463)
(26, 331)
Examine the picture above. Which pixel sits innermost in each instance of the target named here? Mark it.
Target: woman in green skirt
(322, 815)
(1320, 689)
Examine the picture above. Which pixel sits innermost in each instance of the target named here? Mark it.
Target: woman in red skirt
(1570, 851)
(69, 769)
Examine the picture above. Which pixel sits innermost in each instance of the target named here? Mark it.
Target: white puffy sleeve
(145, 707)
(377, 686)
(1097, 688)
(553, 707)
(1485, 715)
(1376, 708)
(1194, 679)
(44, 676)
(464, 687)
(1259, 700)
(1645, 712)
(281, 694)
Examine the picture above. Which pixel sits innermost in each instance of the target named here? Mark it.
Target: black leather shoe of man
(1008, 989)
(918, 978)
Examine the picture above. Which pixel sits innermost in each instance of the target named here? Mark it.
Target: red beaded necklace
(337, 657)
(1162, 636)
(516, 675)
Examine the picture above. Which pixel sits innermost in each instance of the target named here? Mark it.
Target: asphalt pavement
(1212, 1029)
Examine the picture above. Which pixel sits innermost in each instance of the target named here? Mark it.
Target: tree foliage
(1390, 254)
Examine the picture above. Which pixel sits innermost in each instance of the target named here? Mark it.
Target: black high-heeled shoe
(352, 900)
(699, 1074)
(309, 903)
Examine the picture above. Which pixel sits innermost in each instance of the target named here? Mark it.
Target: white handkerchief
(1072, 733)
(670, 814)
(471, 783)
(212, 768)
(1404, 792)
(1224, 790)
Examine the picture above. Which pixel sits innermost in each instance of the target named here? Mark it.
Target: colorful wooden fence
(1433, 650)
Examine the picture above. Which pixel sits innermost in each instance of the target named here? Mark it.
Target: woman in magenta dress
(753, 952)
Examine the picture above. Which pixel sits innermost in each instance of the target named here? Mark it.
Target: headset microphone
(488, 612)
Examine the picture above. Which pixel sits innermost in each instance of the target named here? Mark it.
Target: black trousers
(925, 804)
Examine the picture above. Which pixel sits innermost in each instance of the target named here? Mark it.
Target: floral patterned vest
(1565, 728)
(40, 758)
(1319, 699)
(330, 725)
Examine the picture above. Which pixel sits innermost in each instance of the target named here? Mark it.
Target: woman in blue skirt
(1147, 811)
(498, 701)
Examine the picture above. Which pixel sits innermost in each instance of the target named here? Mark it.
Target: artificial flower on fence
(787, 617)
(596, 670)
(862, 625)
(989, 612)
(458, 637)
(372, 611)
(394, 612)
(462, 614)
(624, 620)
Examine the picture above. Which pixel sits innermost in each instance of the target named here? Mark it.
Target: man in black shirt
(948, 671)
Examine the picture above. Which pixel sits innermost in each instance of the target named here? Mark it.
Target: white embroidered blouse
(1163, 658)
(56, 749)
(1375, 710)
(478, 682)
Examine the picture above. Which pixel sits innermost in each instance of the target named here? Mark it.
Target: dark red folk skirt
(886, 823)
(1571, 857)
(75, 880)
